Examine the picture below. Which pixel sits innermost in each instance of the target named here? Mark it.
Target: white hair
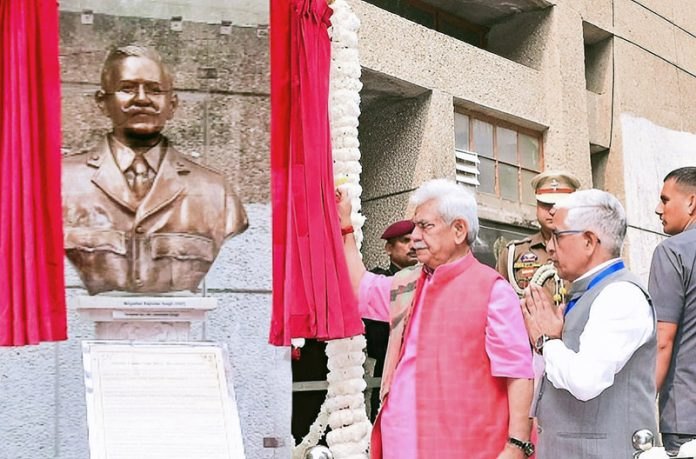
(599, 212)
(453, 202)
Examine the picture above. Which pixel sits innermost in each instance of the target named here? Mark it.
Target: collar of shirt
(124, 155)
(597, 268)
(443, 269)
(393, 269)
(537, 239)
(690, 226)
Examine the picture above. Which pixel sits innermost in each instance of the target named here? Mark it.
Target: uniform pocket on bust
(182, 247)
(95, 240)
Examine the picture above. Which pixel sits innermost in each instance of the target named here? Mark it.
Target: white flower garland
(344, 407)
(350, 428)
(344, 106)
(345, 404)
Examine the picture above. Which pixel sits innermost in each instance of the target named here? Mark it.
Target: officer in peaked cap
(520, 260)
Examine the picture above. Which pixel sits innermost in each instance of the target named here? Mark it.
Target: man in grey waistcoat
(672, 286)
(599, 350)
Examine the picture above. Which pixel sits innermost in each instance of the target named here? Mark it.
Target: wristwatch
(527, 447)
(539, 344)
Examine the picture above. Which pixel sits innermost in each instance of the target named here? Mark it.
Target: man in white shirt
(599, 350)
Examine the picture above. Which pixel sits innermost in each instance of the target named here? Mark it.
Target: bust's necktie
(138, 177)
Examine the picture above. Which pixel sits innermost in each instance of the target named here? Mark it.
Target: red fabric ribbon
(32, 287)
(312, 293)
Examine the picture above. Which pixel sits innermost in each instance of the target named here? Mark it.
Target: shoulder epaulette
(519, 241)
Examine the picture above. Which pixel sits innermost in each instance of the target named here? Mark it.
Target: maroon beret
(398, 229)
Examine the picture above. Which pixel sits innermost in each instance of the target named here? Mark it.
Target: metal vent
(467, 167)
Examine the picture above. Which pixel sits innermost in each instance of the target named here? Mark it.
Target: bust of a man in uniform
(520, 260)
(138, 215)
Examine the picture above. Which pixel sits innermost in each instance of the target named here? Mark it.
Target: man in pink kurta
(458, 376)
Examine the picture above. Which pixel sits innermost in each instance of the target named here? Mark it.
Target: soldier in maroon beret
(401, 253)
(399, 247)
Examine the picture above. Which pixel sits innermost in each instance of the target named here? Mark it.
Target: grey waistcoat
(601, 427)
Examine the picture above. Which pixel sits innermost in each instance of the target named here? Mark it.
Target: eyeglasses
(555, 235)
(561, 233)
(132, 90)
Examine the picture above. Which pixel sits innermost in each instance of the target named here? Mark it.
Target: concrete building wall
(609, 83)
(238, 12)
(653, 118)
(222, 122)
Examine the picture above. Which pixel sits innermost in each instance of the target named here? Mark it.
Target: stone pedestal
(138, 318)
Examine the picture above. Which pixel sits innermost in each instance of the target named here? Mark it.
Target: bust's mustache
(132, 111)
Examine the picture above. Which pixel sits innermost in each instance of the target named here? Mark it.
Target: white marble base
(144, 318)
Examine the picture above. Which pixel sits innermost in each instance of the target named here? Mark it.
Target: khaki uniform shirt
(530, 255)
(165, 242)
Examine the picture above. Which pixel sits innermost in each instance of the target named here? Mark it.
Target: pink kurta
(506, 346)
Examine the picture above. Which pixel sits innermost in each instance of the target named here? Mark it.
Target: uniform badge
(528, 257)
(525, 267)
(527, 260)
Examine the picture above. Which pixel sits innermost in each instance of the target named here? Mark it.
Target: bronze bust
(139, 216)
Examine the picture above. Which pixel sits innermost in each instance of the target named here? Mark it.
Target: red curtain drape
(32, 287)
(312, 293)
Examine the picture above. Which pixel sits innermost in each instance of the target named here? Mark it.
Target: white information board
(160, 401)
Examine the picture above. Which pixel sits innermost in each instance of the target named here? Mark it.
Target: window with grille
(498, 158)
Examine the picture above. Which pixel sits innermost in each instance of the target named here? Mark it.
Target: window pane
(508, 182)
(487, 176)
(507, 145)
(527, 190)
(461, 131)
(483, 138)
(529, 152)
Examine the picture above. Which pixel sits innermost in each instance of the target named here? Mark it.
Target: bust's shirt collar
(124, 155)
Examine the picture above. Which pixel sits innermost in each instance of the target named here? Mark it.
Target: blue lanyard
(619, 265)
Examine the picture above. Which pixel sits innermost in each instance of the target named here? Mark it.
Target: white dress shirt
(620, 321)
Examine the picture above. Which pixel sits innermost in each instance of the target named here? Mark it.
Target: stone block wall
(223, 122)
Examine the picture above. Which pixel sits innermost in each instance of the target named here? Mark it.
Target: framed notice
(160, 401)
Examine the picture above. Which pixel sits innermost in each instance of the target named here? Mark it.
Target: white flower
(344, 408)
